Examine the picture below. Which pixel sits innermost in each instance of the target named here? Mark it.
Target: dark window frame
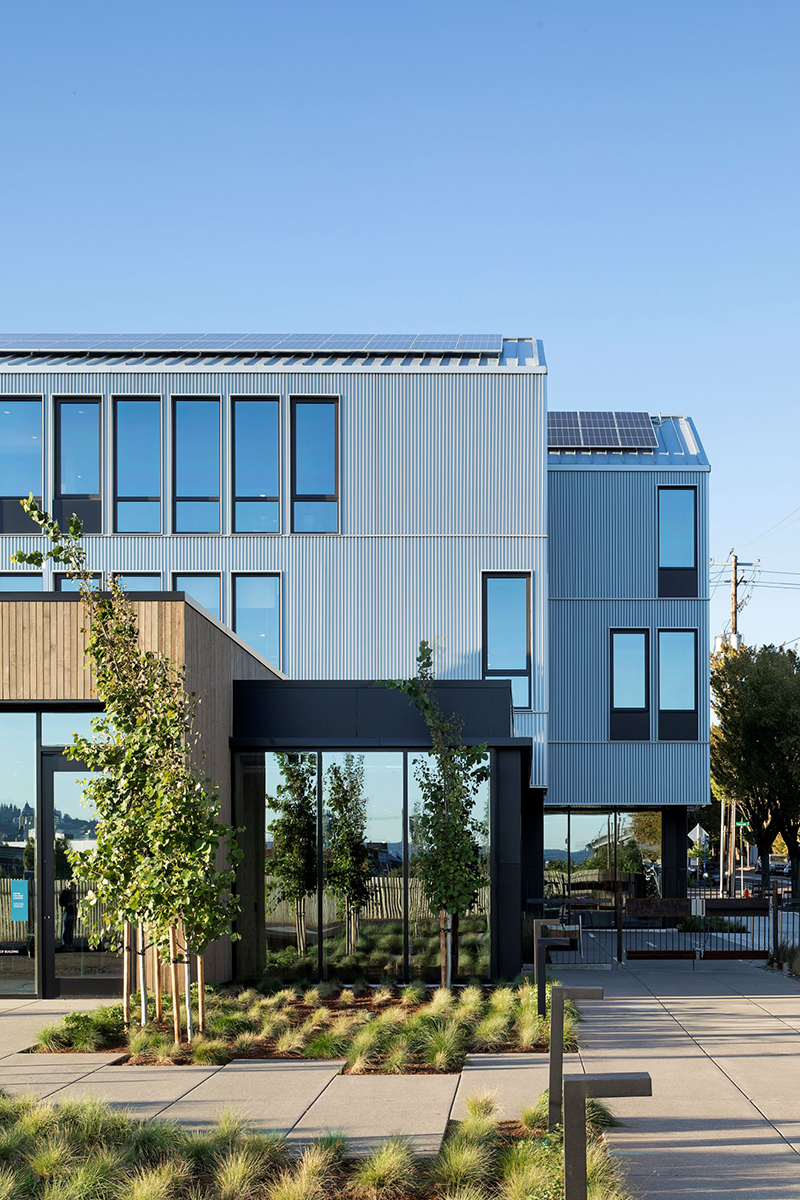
(679, 724)
(629, 724)
(84, 504)
(13, 520)
(173, 575)
(495, 673)
(60, 576)
(235, 497)
(116, 497)
(20, 575)
(676, 582)
(236, 575)
(315, 497)
(176, 399)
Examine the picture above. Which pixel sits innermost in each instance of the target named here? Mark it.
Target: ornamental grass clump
(492, 1031)
(413, 994)
(389, 1172)
(210, 1052)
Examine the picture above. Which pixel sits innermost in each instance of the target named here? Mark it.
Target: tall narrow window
(256, 466)
(677, 541)
(78, 463)
(257, 613)
(315, 466)
(205, 589)
(196, 458)
(137, 466)
(507, 633)
(677, 685)
(20, 461)
(630, 707)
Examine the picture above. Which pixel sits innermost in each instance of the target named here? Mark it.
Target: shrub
(228, 1024)
(210, 1052)
(52, 1039)
(387, 1172)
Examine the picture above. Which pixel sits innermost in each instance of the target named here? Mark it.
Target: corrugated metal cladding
(679, 448)
(442, 478)
(580, 661)
(628, 774)
(603, 529)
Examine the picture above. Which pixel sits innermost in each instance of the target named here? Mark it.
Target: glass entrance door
(78, 959)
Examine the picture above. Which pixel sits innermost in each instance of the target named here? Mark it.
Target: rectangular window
(205, 589)
(315, 466)
(677, 685)
(507, 633)
(677, 541)
(139, 583)
(256, 465)
(63, 583)
(24, 581)
(20, 461)
(137, 466)
(78, 463)
(196, 465)
(630, 685)
(257, 613)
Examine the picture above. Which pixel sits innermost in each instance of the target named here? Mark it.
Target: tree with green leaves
(348, 867)
(292, 866)
(755, 745)
(158, 835)
(449, 838)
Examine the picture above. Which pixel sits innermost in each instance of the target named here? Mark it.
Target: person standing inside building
(69, 905)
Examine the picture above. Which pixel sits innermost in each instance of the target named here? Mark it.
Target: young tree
(449, 837)
(755, 747)
(349, 872)
(293, 865)
(158, 836)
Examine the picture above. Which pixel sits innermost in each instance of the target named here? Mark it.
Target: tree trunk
(187, 982)
(142, 954)
(201, 993)
(764, 847)
(126, 974)
(176, 996)
(348, 927)
(449, 951)
(300, 925)
(443, 948)
(454, 921)
(158, 1014)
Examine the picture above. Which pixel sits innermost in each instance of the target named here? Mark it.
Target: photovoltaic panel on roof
(346, 341)
(563, 430)
(433, 342)
(635, 430)
(600, 431)
(488, 343)
(265, 343)
(396, 342)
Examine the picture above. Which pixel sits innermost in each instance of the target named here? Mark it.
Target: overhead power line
(772, 528)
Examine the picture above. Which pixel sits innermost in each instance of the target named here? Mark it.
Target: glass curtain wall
(18, 854)
(586, 853)
(351, 821)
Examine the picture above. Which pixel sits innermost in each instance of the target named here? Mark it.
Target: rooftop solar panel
(489, 343)
(436, 341)
(396, 342)
(346, 341)
(600, 431)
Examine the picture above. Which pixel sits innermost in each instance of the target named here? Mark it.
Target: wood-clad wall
(42, 643)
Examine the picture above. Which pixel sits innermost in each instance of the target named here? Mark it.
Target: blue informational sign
(19, 899)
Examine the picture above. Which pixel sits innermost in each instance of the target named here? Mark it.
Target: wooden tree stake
(201, 993)
(157, 983)
(142, 977)
(126, 974)
(176, 996)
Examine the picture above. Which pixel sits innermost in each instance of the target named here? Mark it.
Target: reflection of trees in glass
(292, 866)
(63, 867)
(349, 870)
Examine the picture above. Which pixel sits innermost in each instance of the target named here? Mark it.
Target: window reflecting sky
(315, 449)
(257, 613)
(140, 583)
(205, 589)
(197, 447)
(256, 450)
(20, 583)
(58, 727)
(629, 670)
(676, 670)
(20, 447)
(383, 785)
(676, 527)
(18, 756)
(80, 448)
(138, 447)
(506, 624)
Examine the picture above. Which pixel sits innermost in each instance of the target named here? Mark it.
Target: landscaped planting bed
(374, 1029)
(84, 1150)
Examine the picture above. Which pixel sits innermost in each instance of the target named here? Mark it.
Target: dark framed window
(78, 462)
(256, 464)
(20, 460)
(677, 685)
(315, 465)
(630, 685)
(257, 613)
(204, 588)
(22, 581)
(63, 582)
(507, 632)
(677, 541)
(143, 582)
(137, 465)
(196, 466)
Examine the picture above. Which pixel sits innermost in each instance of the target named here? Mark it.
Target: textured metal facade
(603, 575)
(442, 477)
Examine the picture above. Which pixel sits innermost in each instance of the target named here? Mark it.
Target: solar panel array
(600, 431)
(278, 343)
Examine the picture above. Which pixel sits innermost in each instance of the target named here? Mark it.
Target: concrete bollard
(542, 946)
(557, 997)
(577, 1090)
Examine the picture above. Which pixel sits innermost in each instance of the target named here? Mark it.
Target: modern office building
(335, 500)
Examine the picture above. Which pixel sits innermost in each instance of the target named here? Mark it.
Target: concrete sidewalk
(722, 1044)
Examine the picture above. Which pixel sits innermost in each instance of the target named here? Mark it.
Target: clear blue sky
(619, 179)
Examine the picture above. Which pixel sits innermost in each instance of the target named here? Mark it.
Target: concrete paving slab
(516, 1080)
(143, 1091)
(44, 1074)
(268, 1095)
(19, 1026)
(369, 1108)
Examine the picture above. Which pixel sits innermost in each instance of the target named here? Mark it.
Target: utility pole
(734, 595)
(733, 638)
